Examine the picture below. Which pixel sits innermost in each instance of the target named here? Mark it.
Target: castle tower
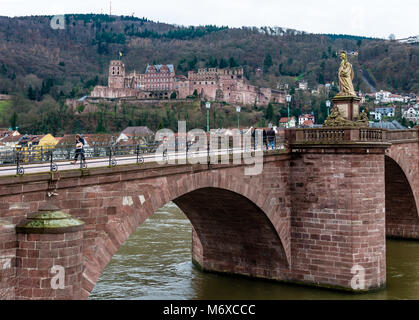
(116, 74)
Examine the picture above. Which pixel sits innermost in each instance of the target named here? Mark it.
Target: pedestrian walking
(255, 138)
(79, 149)
(265, 139)
(271, 138)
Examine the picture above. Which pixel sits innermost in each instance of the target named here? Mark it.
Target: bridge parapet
(347, 135)
(335, 135)
(402, 135)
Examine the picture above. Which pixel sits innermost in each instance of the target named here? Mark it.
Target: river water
(155, 263)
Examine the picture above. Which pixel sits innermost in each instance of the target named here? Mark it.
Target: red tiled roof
(11, 138)
(142, 131)
(309, 116)
(285, 119)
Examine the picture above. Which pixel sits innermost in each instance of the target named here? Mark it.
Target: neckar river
(155, 263)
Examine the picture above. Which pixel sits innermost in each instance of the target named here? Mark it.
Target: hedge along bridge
(317, 215)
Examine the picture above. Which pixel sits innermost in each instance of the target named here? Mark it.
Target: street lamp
(288, 98)
(208, 106)
(238, 109)
(328, 107)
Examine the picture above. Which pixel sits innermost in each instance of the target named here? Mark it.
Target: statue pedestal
(348, 106)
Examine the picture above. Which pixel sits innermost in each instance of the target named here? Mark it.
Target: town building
(9, 142)
(134, 135)
(307, 124)
(283, 122)
(161, 82)
(388, 97)
(28, 142)
(4, 132)
(411, 113)
(381, 112)
(305, 117)
(303, 85)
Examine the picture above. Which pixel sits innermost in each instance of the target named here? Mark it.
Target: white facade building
(305, 117)
(411, 113)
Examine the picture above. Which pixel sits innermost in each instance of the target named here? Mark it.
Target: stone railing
(369, 134)
(402, 135)
(333, 135)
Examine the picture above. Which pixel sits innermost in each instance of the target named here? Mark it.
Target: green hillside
(42, 67)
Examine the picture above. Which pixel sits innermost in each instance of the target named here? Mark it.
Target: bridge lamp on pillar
(208, 106)
(238, 109)
(288, 98)
(328, 107)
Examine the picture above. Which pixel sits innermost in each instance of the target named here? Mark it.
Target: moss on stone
(51, 215)
(50, 220)
(60, 223)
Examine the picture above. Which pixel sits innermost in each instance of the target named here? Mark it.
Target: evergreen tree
(100, 128)
(212, 63)
(3, 69)
(269, 113)
(267, 63)
(223, 64)
(31, 93)
(13, 120)
(233, 63)
(192, 63)
(321, 78)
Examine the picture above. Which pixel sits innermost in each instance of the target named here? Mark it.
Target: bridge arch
(402, 218)
(236, 228)
(406, 156)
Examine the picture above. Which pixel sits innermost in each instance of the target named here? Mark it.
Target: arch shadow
(402, 219)
(231, 234)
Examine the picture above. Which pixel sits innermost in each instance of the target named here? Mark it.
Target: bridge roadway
(120, 160)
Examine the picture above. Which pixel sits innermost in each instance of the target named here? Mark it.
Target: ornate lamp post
(328, 107)
(288, 98)
(208, 106)
(238, 109)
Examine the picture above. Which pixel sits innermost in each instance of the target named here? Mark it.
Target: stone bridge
(318, 214)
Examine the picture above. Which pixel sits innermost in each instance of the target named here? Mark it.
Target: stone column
(49, 259)
(338, 216)
(7, 260)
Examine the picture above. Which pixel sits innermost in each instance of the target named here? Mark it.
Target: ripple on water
(155, 263)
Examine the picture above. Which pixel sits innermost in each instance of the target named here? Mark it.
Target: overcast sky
(377, 18)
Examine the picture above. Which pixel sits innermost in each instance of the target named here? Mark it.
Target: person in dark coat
(271, 138)
(254, 138)
(265, 138)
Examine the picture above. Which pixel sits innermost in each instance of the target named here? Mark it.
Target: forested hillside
(42, 67)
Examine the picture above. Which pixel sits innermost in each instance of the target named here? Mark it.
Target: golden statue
(345, 75)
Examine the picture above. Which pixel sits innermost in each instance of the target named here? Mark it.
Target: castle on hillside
(160, 82)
